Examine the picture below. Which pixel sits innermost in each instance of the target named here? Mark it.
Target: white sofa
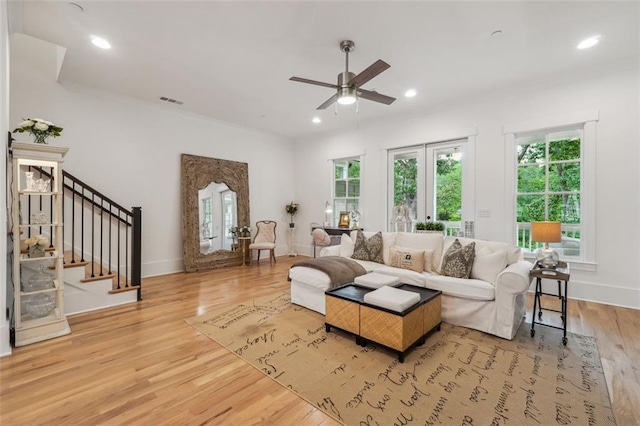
(492, 300)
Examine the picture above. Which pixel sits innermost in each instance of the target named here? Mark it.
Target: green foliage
(405, 181)
(435, 226)
(448, 188)
(421, 226)
(558, 176)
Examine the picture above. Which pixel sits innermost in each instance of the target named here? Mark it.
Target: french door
(431, 182)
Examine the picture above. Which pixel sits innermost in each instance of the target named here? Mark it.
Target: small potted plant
(291, 209)
(434, 226)
(421, 227)
(36, 245)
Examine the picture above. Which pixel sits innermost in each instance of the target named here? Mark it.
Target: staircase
(102, 241)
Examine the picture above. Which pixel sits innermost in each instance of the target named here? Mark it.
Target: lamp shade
(546, 232)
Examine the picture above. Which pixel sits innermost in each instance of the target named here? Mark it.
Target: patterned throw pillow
(458, 261)
(406, 258)
(368, 248)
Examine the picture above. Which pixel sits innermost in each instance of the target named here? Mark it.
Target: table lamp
(327, 211)
(546, 232)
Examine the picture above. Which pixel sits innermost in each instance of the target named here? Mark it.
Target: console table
(334, 232)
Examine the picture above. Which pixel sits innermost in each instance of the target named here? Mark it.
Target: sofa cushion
(460, 287)
(346, 245)
(488, 267)
(368, 248)
(388, 240)
(483, 247)
(375, 280)
(310, 276)
(406, 276)
(406, 258)
(392, 298)
(458, 260)
(423, 241)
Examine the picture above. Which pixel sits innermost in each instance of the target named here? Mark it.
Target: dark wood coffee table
(399, 331)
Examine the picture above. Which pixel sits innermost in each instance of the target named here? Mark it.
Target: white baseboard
(599, 293)
(5, 346)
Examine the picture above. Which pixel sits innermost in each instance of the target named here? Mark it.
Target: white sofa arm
(514, 279)
(511, 287)
(330, 251)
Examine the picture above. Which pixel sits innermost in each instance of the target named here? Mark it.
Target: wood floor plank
(143, 364)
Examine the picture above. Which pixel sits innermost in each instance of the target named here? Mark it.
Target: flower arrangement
(291, 209)
(36, 245)
(245, 231)
(39, 128)
(35, 241)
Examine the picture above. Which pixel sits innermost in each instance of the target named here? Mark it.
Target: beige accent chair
(265, 239)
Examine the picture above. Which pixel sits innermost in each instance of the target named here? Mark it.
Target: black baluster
(82, 227)
(110, 236)
(118, 257)
(73, 222)
(136, 249)
(93, 234)
(101, 223)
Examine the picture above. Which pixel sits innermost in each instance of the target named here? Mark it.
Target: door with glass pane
(406, 189)
(432, 182)
(445, 185)
(229, 217)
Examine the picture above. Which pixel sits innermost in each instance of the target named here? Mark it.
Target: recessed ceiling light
(316, 120)
(100, 42)
(410, 93)
(589, 42)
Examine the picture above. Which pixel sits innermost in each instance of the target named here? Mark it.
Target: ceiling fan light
(347, 96)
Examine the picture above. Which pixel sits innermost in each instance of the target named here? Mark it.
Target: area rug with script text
(457, 377)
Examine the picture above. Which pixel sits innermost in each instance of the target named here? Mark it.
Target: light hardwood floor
(142, 364)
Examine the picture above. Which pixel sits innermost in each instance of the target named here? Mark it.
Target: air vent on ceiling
(172, 101)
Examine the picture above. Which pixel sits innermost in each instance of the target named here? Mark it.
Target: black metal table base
(537, 308)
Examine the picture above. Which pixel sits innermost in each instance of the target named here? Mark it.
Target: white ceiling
(232, 60)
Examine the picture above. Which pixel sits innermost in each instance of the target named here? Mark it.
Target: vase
(39, 138)
(39, 305)
(36, 250)
(41, 280)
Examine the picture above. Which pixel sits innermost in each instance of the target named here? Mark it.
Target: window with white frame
(549, 187)
(346, 186)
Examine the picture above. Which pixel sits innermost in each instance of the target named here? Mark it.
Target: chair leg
(272, 255)
(258, 261)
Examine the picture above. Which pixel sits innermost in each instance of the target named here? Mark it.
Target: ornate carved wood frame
(197, 173)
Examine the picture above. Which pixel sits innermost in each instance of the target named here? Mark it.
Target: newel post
(136, 250)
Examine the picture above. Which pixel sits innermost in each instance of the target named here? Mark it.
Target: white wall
(130, 150)
(614, 94)
(5, 348)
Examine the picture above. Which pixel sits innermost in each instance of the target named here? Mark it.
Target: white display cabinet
(38, 277)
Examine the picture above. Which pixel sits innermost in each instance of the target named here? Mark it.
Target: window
(206, 227)
(549, 187)
(346, 186)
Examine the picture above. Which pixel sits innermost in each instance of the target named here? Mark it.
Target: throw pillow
(487, 268)
(406, 258)
(458, 260)
(346, 245)
(368, 248)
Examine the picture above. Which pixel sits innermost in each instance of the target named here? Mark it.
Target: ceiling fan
(348, 89)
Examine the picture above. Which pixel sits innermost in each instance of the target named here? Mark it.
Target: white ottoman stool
(376, 280)
(392, 298)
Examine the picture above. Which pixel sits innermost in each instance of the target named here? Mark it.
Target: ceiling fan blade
(329, 102)
(376, 97)
(374, 69)
(317, 83)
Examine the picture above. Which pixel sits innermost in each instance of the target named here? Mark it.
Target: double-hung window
(346, 186)
(549, 187)
(552, 177)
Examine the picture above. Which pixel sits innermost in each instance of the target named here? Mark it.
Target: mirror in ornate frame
(198, 173)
